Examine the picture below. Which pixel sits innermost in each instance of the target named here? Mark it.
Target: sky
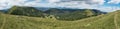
(103, 5)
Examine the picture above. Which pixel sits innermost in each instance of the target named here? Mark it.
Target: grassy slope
(108, 21)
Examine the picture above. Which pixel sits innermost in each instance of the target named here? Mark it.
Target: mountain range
(68, 14)
(103, 21)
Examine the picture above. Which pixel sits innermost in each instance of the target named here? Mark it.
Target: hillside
(108, 21)
(60, 14)
(73, 14)
(25, 11)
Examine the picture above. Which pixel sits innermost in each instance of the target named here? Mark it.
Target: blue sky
(103, 5)
(108, 4)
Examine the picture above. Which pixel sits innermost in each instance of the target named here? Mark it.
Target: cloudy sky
(103, 5)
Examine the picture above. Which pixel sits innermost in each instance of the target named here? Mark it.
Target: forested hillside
(25, 11)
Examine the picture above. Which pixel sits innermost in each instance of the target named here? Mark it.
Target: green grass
(108, 21)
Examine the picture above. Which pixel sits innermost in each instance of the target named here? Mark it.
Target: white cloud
(90, 4)
(114, 1)
(75, 4)
(98, 1)
(108, 9)
(53, 1)
(81, 3)
(87, 1)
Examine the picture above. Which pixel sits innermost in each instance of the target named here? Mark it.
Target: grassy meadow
(107, 21)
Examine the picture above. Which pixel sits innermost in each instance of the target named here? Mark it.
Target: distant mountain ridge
(59, 13)
(73, 14)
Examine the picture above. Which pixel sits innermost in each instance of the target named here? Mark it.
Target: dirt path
(4, 21)
(98, 19)
(115, 21)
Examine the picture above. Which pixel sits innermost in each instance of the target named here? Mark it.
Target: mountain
(42, 8)
(3, 11)
(67, 14)
(73, 14)
(105, 21)
(25, 11)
